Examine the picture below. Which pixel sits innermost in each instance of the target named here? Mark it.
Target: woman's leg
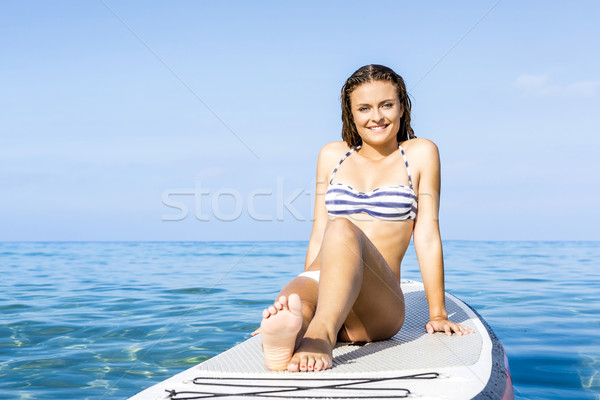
(285, 322)
(356, 290)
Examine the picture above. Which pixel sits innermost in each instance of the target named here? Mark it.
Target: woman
(365, 214)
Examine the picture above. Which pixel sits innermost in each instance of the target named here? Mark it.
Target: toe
(283, 301)
(310, 364)
(326, 363)
(319, 365)
(293, 367)
(272, 310)
(294, 364)
(303, 363)
(295, 304)
(266, 313)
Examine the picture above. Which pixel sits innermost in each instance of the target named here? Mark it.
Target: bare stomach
(391, 238)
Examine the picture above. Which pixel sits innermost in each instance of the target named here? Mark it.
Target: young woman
(375, 189)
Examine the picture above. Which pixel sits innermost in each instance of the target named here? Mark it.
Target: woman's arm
(327, 157)
(427, 240)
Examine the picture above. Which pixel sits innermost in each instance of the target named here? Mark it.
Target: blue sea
(103, 320)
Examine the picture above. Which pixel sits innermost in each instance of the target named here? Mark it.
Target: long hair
(366, 74)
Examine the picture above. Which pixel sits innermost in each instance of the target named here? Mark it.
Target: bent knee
(342, 228)
(340, 222)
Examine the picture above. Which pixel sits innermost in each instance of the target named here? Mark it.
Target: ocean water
(102, 320)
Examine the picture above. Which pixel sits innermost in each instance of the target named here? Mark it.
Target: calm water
(105, 320)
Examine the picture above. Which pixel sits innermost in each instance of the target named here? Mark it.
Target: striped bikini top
(392, 203)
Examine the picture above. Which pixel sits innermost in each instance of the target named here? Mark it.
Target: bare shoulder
(421, 149)
(424, 159)
(329, 156)
(332, 152)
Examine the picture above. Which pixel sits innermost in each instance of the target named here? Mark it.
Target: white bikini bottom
(312, 275)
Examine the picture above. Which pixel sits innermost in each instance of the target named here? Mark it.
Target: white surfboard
(413, 363)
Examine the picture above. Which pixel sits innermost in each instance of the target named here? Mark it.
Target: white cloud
(535, 84)
(532, 81)
(543, 86)
(583, 88)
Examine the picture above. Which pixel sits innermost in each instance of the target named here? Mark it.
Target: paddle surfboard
(413, 363)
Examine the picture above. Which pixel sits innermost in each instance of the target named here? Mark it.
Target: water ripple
(106, 319)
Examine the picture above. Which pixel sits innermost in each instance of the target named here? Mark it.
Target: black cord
(347, 384)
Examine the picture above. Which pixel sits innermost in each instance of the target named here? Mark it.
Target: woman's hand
(444, 325)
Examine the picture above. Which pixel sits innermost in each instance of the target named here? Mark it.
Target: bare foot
(280, 326)
(313, 354)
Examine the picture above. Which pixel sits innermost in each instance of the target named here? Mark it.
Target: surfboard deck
(412, 363)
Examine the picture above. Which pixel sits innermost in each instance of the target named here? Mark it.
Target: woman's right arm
(324, 168)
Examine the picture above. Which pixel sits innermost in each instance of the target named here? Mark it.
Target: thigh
(378, 312)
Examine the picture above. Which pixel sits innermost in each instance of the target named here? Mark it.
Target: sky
(202, 120)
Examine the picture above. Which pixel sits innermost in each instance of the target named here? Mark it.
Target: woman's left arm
(427, 240)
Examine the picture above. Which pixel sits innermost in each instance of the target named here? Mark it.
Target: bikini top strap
(406, 163)
(341, 161)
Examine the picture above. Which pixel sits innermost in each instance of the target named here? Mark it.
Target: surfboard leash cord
(284, 391)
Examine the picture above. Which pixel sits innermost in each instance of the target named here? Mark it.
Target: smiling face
(376, 111)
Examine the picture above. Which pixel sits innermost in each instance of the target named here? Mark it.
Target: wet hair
(366, 74)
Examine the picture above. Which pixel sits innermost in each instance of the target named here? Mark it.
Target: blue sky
(203, 120)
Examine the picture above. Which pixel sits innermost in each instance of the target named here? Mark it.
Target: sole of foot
(279, 328)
